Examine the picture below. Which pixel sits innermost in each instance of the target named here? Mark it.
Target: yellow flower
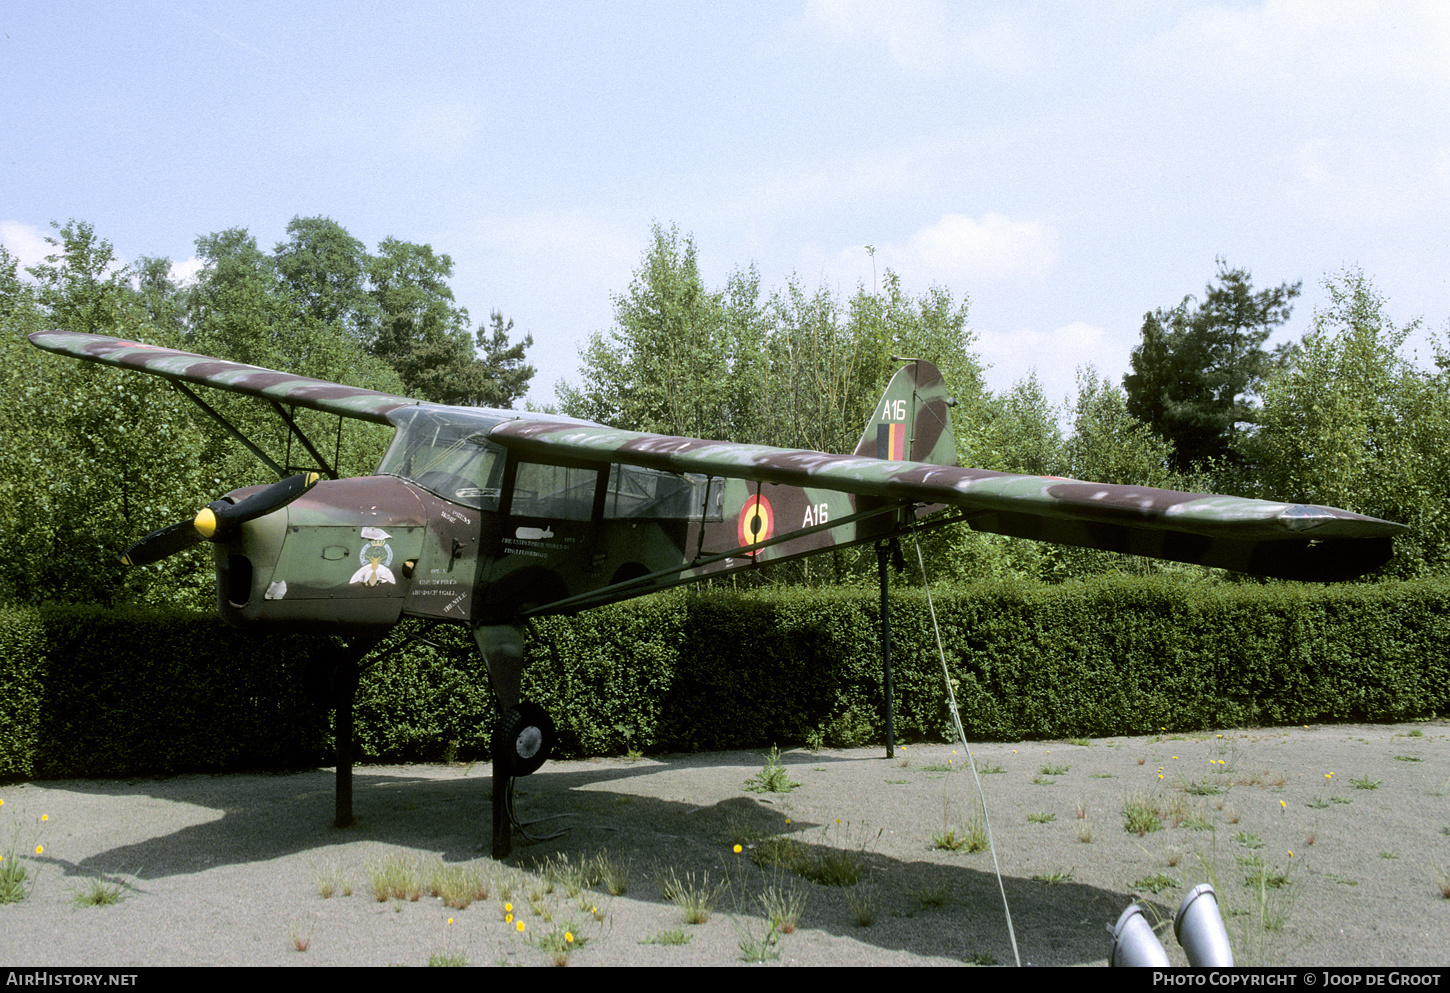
(569, 937)
(39, 849)
(520, 927)
(45, 817)
(838, 820)
(508, 918)
(508, 907)
(1291, 854)
(737, 849)
(450, 920)
(1283, 805)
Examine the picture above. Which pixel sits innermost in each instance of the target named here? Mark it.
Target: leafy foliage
(1199, 364)
(1351, 423)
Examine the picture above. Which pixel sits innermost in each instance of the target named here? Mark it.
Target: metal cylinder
(1198, 926)
(1134, 943)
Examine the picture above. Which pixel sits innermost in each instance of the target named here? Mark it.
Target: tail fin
(913, 421)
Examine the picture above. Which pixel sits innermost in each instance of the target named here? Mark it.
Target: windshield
(447, 453)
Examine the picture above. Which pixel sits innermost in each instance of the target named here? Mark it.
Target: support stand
(883, 549)
(342, 682)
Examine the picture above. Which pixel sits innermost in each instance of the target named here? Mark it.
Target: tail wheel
(523, 739)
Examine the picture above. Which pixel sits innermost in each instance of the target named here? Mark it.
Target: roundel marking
(757, 520)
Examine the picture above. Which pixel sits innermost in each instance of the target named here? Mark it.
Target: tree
(1350, 423)
(1199, 367)
(665, 364)
(326, 270)
(419, 330)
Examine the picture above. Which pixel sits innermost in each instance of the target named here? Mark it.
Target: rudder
(913, 420)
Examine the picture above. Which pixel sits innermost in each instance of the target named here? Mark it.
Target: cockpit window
(449, 457)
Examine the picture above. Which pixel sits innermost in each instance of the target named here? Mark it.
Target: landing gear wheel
(523, 739)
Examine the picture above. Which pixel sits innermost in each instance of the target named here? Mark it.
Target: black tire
(523, 739)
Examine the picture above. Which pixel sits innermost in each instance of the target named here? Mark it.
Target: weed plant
(1140, 816)
(783, 903)
(395, 878)
(772, 778)
(98, 893)
(696, 899)
(864, 902)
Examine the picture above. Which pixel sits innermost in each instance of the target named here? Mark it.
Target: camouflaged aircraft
(486, 518)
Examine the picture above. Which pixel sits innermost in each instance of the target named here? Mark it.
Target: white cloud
(185, 271)
(925, 34)
(959, 250)
(26, 243)
(1056, 356)
(1310, 44)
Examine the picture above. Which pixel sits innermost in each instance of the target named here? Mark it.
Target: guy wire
(962, 736)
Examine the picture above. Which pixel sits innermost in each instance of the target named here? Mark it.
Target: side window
(554, 491)
(635, 492)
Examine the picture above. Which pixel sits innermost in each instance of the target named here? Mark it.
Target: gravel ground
(229, 869)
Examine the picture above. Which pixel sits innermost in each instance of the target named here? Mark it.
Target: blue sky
(1065, 166)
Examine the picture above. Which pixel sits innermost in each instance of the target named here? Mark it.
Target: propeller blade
(221, 515)
(216, 516)
(159, 544)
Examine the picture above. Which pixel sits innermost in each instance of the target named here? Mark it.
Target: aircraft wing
(237, 377)
(1292, 541)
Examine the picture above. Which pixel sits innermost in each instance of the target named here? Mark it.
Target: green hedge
(113, 693)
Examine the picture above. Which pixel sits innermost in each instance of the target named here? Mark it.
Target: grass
(969, 837)
(1080, 742)
(331, 881)
(99, 893)
(1201, 789)
(1140, 816)
(560, 942)
(1365, 783)
(395, 878)
(1156, 883)
(772, 778)
(1250, 841)
(1041, 818)
(833, 864)
(674, 936)
(1406, 758)
(1042, 781)
(1054, 770)
(456, 885)
(1053, 878)
(783, 905)
(934, 896)
(989, 770)
(986, 958)
(864, 903)
(697, 900)
(13, 877)
(444, 960)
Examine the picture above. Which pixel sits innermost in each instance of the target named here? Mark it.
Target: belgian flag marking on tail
(891, 441)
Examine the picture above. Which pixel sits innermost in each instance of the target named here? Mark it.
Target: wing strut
(306, 441)
(231, 429)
